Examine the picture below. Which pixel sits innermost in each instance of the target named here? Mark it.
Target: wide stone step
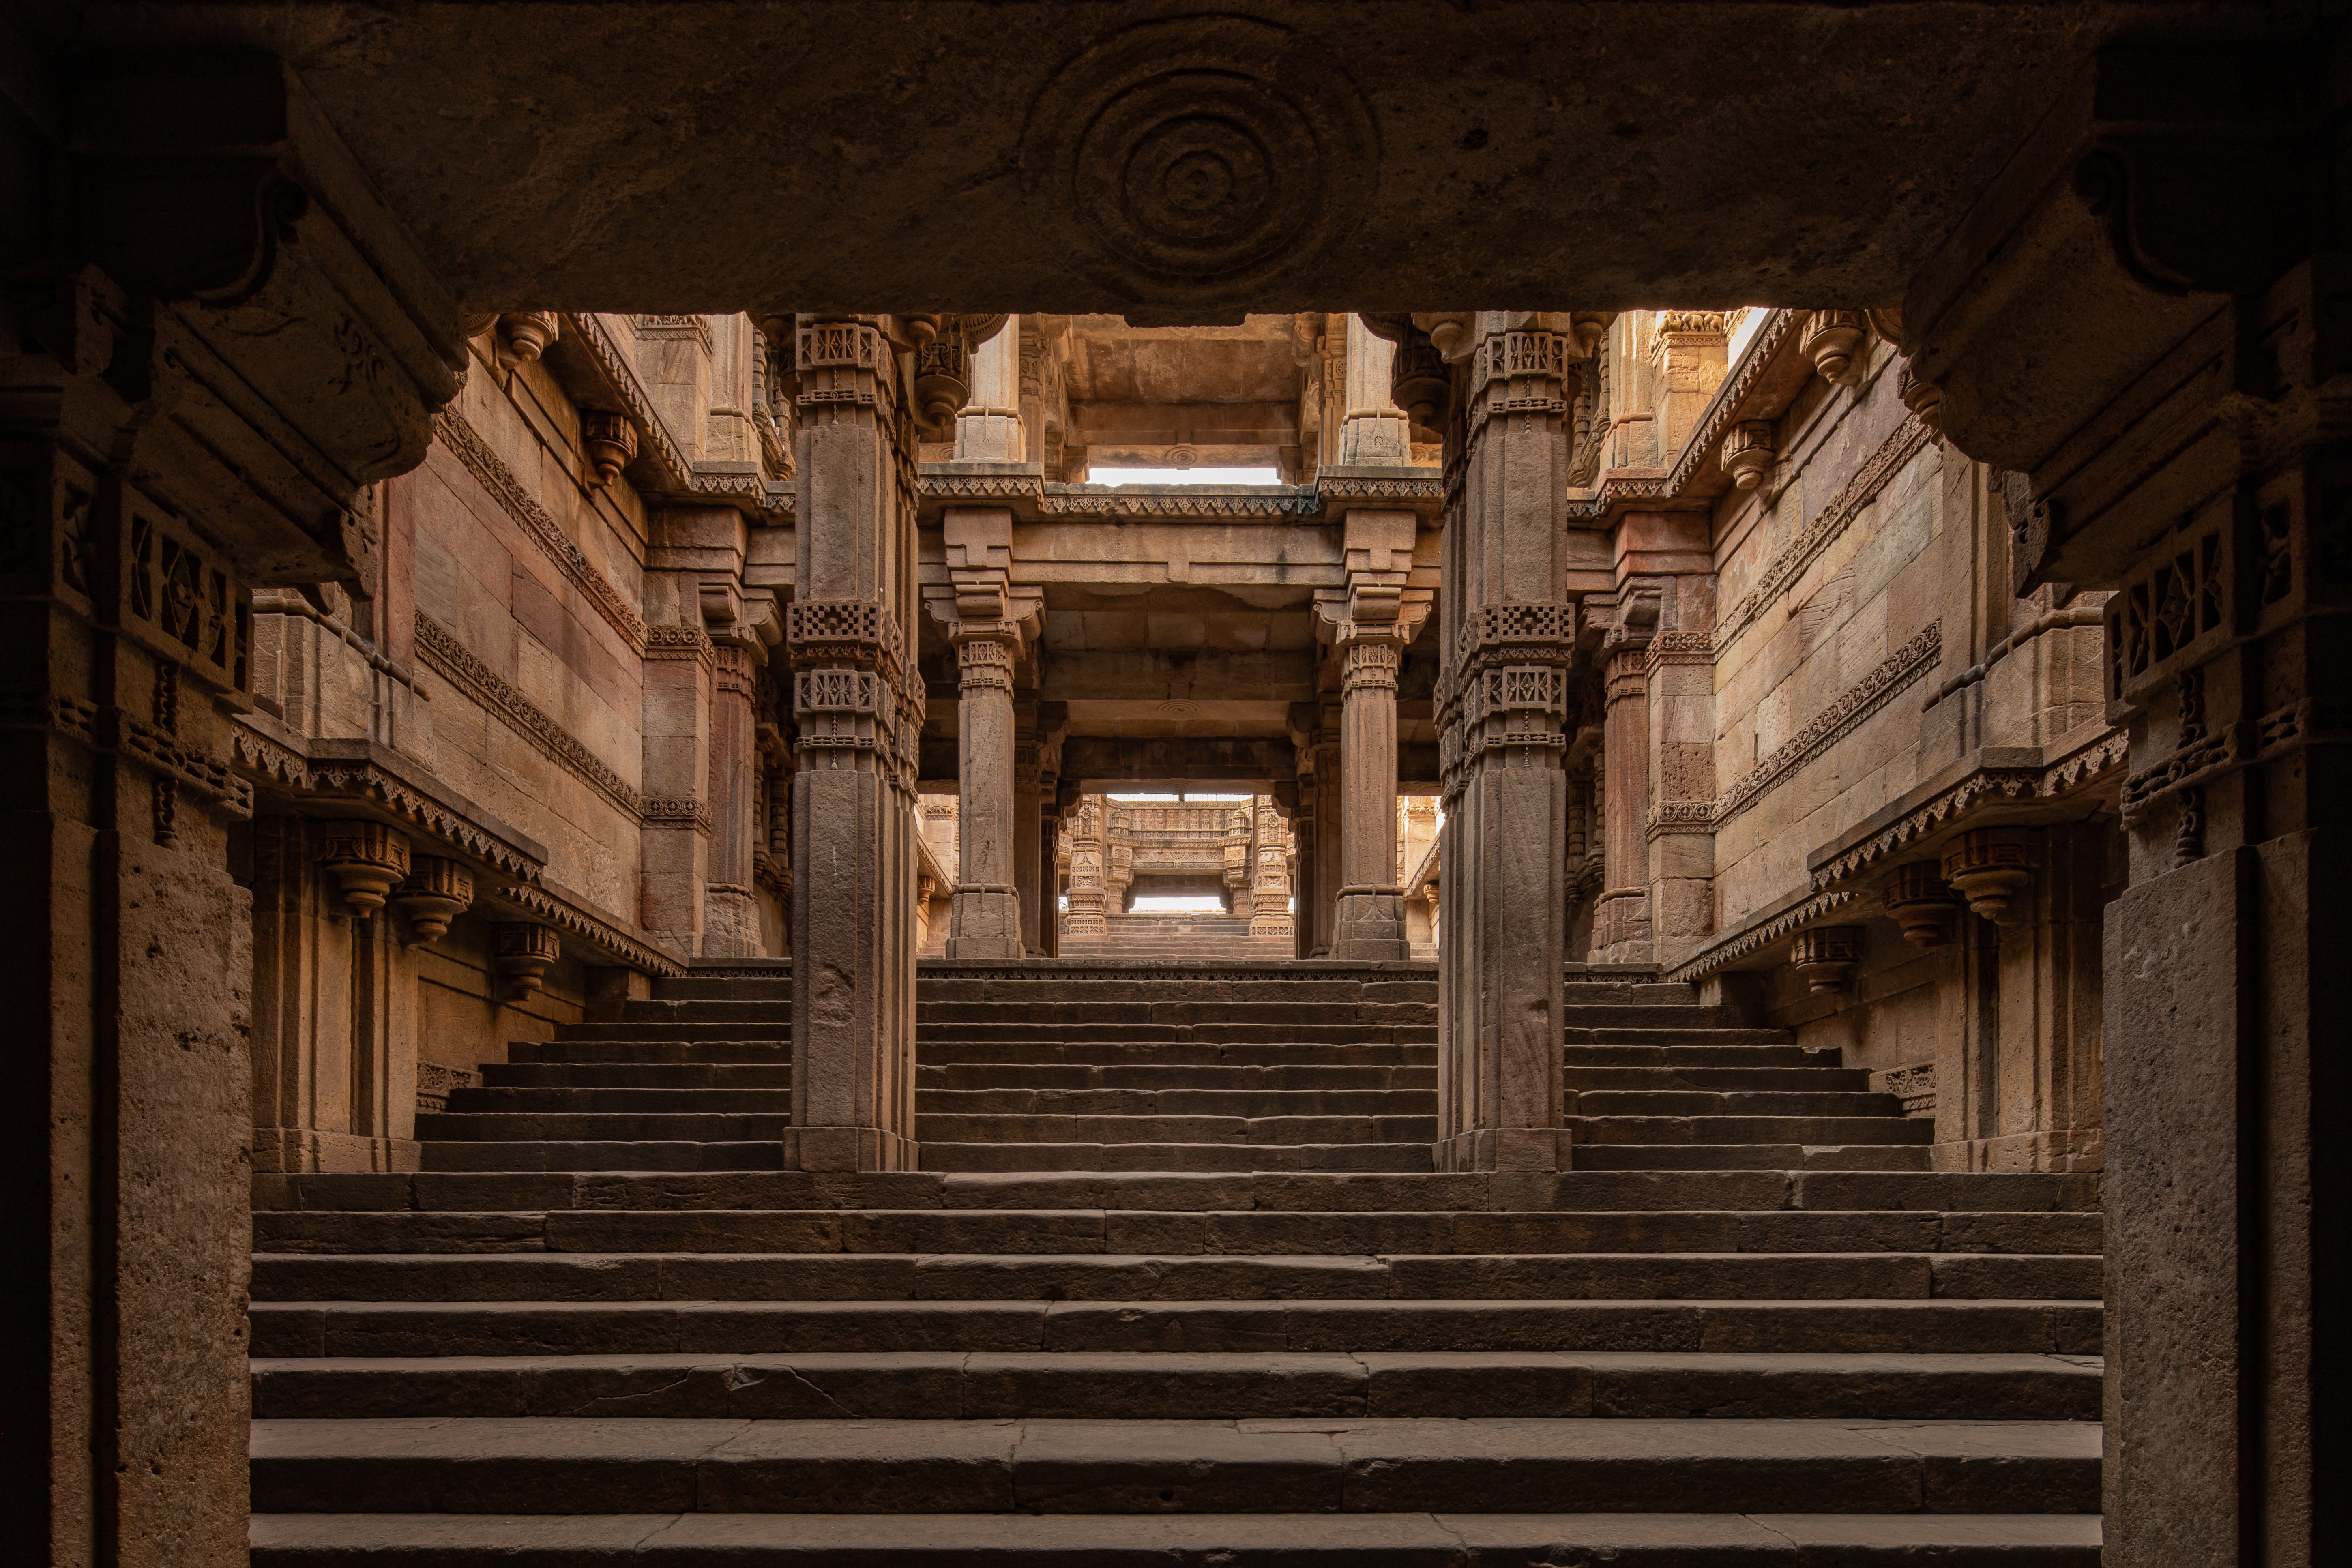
(1587, 1129)
(1162, 983)
(769, 1030)
(1146, 1231)
(501, 1099)
(1976, 1202)
(764, 1053)
(1685, 1103)
(616, 1155)
(559, 1464)
(933, 1052)
(1578, 1078)
(1057, 1276)
(1116, 1386)
(940, 1015)
(1139, 1128)
(600, 1126)
(1244, 1099)
(1752, 1157)
(728, 1327)
(1164, 1076)
(1047, 1025)
(1239, 1155)
(640, 1075)
(1448, 1540)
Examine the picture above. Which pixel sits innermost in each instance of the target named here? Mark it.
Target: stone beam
(1729, 187)
(1094, 763)
(1157, 675)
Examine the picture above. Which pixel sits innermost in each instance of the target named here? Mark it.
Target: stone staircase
(1178, 939)
(1177, 1287)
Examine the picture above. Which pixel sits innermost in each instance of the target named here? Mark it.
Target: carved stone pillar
(730, 920)
(1376, 433)
(1621, 917)
(1028, 817)
(1053, 728)
(1502, 701)
(675, 748)
(986, 921)
(859, 706)
(1085, 922)
(1270, 877)
(171, 428)
(2199, 474)
(1316, 731)
(1369, 912)
(988, 429)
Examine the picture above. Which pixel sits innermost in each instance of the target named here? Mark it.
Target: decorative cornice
(1858, 702)
(1759, 936)
(681, 477)
(1131, 502)
(677, 811)
(438, 647)
(466, 444)
(1726, 408)
(1901, 445)
(1986, 786)
(276, 766)
(548, 907)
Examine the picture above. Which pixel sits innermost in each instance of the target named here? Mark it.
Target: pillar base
(1504, 1149)
(986, 923)
(848, 1149)
(1369, 926)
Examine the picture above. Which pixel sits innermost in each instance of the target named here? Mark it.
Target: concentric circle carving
(1203, 151)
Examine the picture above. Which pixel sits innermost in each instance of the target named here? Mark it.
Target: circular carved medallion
(1203, 151)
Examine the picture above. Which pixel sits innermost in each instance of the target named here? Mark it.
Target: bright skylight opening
(1187, 799)
(1184, 476)
(1168, 904)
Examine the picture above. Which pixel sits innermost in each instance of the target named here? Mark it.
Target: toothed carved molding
(438, 649)
(1861, 488)
(109, 729)
(550, 907)
(1081, 501)
(1760, 936)
(1859, 700)
(679, 475)
(466, 444)
(2100, 760)
(276, 767)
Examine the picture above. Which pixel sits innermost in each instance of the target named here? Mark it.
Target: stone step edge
(1323, 1191)
(1132, 1540)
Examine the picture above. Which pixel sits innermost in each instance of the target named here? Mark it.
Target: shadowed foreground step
(1196, 1540)
(1177, 1283)
(559, 1464)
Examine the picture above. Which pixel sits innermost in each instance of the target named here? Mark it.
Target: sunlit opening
(1172, 905)
(1184, 476)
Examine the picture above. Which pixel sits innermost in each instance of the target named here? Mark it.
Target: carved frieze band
(466, 444)
(548, 907)
(259, 757)
(109, 729)
(1761, 935)
(1859, 700)
(2099, 760)
(440, 650)
(1860, 488)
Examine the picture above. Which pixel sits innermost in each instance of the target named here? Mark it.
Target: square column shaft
(1370, 914)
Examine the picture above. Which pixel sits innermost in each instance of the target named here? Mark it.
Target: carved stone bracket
(1826, 957)
(1991, 866)
(525, 952)
(1921, 902)
(436, 892)
(367, 859)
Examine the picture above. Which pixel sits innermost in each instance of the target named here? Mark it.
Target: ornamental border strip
(2091, 763)
(1906, 441)
(1857, 703)
(439, 648)
(491, 471)
(1757, 937)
